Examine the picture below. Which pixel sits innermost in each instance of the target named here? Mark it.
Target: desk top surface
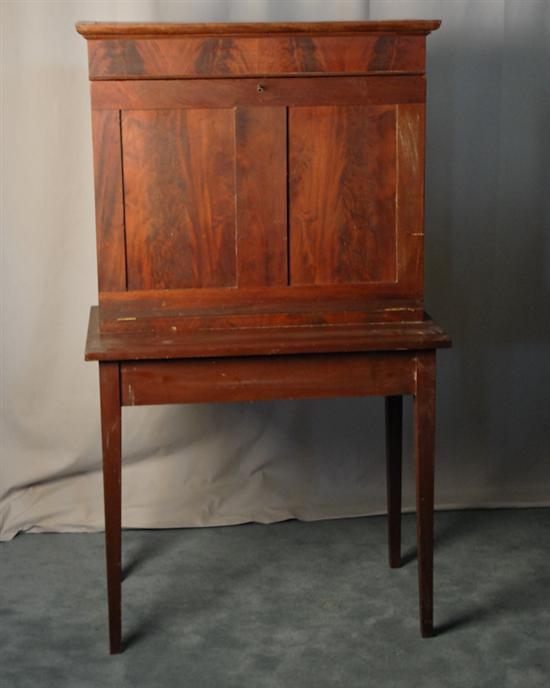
(263, 341)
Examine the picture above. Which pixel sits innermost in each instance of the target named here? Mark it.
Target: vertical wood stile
(410, 198)
(109, 200)
(261, 172)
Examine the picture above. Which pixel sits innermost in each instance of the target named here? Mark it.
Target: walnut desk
(259, 194)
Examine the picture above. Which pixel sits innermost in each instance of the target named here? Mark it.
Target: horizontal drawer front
(228, 56)
(270, 92)
(274, 377)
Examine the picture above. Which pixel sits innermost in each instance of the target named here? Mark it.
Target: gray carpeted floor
(291, 604)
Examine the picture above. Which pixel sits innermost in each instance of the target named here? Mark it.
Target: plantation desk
(259, 195)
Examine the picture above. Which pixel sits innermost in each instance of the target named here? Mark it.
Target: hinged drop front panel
(271, 191)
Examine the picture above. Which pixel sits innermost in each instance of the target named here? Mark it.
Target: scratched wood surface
(214, 56)
(342, 167)
(179, 189)
(316, 314)
(260, 377)
(259, 341)
(175, 310)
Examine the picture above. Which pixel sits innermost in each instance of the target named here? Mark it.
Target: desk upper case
(258, 175)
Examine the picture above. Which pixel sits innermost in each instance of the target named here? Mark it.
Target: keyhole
(260, 88)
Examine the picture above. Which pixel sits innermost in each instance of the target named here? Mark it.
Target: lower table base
(391, 375)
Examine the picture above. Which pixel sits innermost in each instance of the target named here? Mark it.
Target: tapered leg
(424, 443)
(109, 385)
(394, 444)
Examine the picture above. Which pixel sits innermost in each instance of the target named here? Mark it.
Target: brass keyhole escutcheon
(260, 88)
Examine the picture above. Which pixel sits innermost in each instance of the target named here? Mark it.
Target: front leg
(424, 443)
(109, 385)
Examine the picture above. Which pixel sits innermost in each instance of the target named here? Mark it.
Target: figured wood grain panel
(261, 197)
(410, 197)
(179, 184)
(109, 208)
(273, 377)
(211, 56)
(342, 178)
(165, 94)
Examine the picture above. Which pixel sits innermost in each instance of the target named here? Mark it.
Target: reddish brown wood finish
(394, 444)
(109, 208)
(410, 198)
(183, 236)
(261, 197)
(342, 216)
(271, 377)
(262, 341)
(228, 56)
(175, 310)
(184, 321)
(274, 92)
(133, 30)
(358, 219)
(259, 212)
(109, 387)
(424, 449)
(254, 299)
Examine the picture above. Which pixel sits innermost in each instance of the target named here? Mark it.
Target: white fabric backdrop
(488, 282)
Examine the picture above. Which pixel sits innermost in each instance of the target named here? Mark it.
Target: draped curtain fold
(487, 281)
